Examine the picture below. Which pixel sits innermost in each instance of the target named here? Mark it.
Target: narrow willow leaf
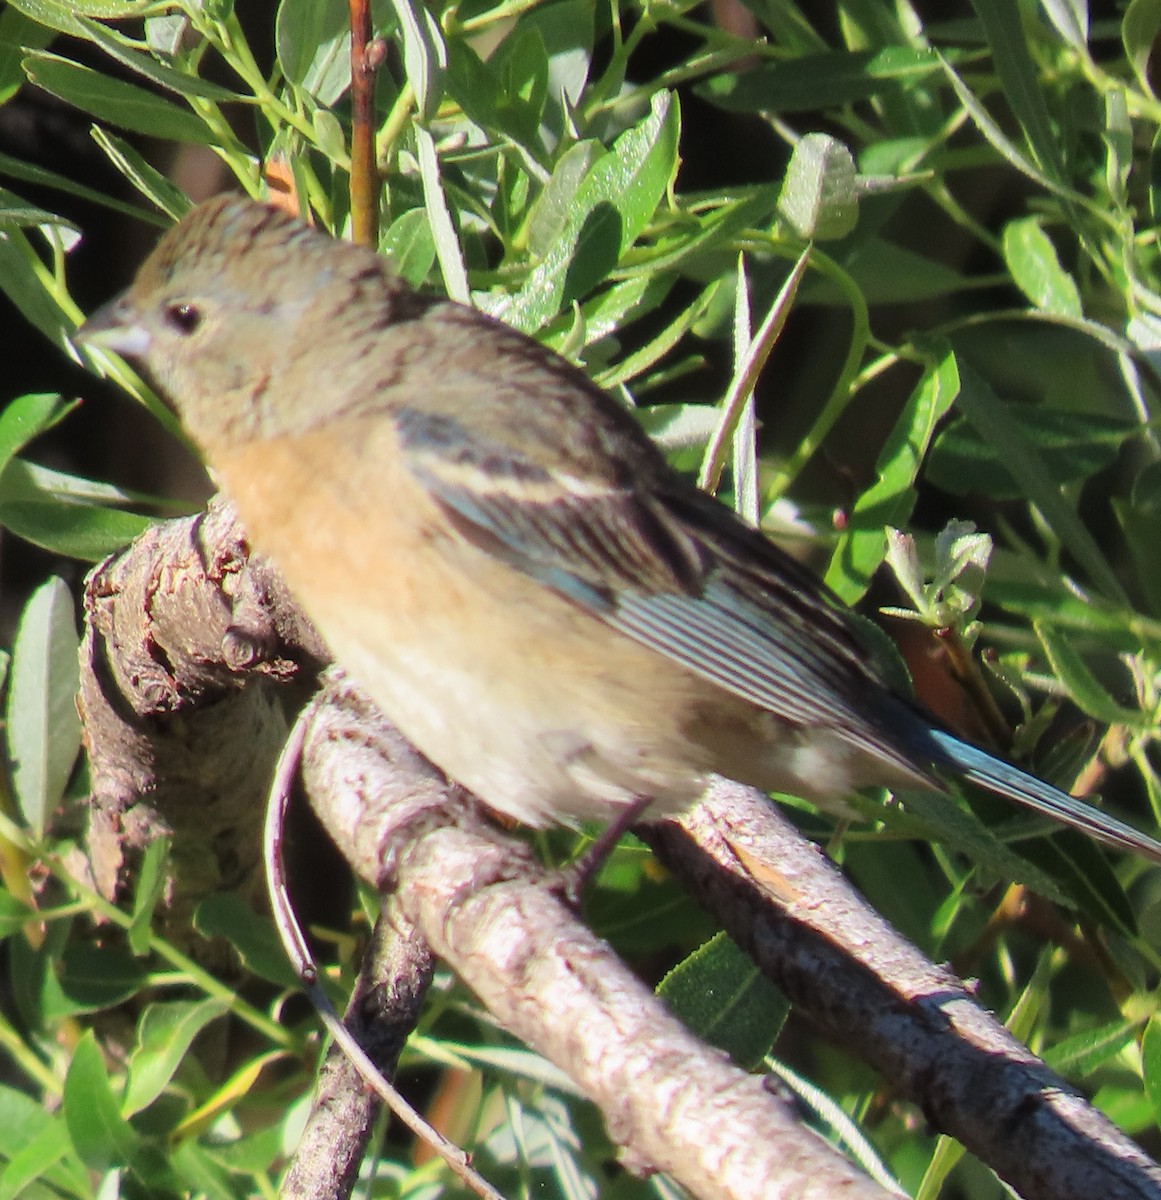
(44, 731)
(1069, 18)
(720, 995)
(424, 55)
(164, 1034)
(313, 40)
(1083, 1053)
(27, 417)
(83, 531)
(23, 284)
(1000, 141)
(151, 881)
(1036, 269)
(1139, 31)
(1020, 81)
(154, 186)
(1151, 1062)
(18, 34)
(409, 245)
(889, 500)
(1084, 689)
(987, 412)
(101, 1136)
(30, 173)
(114, 100)
(129, 54)
(447, 244)
(819, 81)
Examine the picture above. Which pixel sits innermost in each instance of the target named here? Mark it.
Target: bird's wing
(669, 567)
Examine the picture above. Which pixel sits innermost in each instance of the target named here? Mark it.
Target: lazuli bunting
(499, 555)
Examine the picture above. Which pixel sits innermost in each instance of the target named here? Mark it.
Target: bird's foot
(572, 880)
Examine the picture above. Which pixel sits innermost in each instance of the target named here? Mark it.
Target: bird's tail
(1000, 777)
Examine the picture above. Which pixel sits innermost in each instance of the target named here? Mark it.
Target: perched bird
(496, 551)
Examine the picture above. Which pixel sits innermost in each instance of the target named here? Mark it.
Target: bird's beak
(115, 326)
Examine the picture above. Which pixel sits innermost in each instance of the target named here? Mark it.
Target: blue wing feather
(673, 569)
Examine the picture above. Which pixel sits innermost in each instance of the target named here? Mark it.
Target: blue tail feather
(979, 767)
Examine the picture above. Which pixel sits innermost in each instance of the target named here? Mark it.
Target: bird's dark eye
(184, 317)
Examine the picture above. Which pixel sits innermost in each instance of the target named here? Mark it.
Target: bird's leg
(574, 878)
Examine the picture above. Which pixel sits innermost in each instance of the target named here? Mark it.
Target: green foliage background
(948, 292)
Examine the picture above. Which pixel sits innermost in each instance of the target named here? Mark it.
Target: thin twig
(301, 959)
(364, 173)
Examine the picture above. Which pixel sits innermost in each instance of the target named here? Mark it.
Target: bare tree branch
(491, 912)
(174, 627)
(871, 990)
(181, 620)
(383, 1010)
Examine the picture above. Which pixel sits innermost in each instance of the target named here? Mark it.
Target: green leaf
(202, 1166)
(18, 35)
(707, 253)
(44, 1160)
(410, 247)
(475, 87)
(1031, 258)
(37, 1148)
(165, 1033)
(1151, 1063)
(613, 309)
(22, 284)
(1118, 137)
(819, 196)
(931, 816)
(1142, 530)
(30, 481)
(25, 418)
(681, 430)
(313, 41)
(718, 994)
(113, 100)
(154, 186)
(889, 500)
(552, 210)
(439, 219)
(1021, 82)
(254, 938)
(1083, 1053)
(993, 421)
(1071, 447)
(522, 61)
(1069, 18)
(62, 14)
(100, 1135)
(658, 347)
(617, 197)
(29, 173)
(151, 881)
(887, 274)
(1000, 142)
(16, 211)
(129, 54)
(817, 81)
(14, 915)
(424, 55)
(1139, 31)
(74, 530)
(44, 731)
(1084, 689)
(91, 979)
